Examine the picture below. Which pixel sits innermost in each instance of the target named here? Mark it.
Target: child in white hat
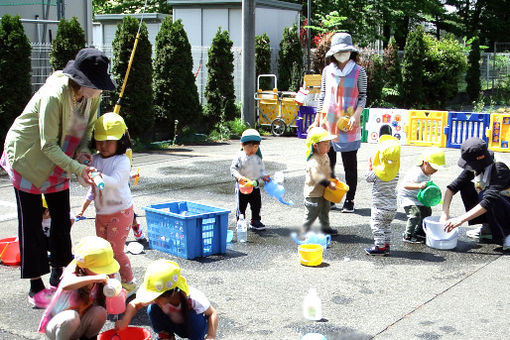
(384, 176)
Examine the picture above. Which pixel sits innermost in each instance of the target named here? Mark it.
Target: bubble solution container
(436, 237)
(129, 333)
(312, 306)
(9, 250)
(310, 255)
(336, 195)
(430, 196)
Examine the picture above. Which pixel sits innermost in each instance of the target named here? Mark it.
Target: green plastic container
(430, 195)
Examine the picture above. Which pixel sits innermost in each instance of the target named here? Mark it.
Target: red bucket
(129, 333)
(9, 248)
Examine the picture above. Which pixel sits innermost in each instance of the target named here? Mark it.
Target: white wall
(192, 21)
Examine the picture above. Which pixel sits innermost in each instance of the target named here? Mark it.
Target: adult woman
(45, 143)
(341, 101)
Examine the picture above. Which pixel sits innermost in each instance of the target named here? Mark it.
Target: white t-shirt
(116, 195)
(408, 197)
(199, 303)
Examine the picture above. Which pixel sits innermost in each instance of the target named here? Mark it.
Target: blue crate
(464, 125)
(187, 229)
(306, 116)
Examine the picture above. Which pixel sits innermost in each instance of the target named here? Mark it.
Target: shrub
(15, 66)
(290, 61)
(412, 68)
(219, 91)
(137, 102)
(175, 91)
(373, 65)
(263, 59)
(473, 73)
(392, 73)
(69, 40)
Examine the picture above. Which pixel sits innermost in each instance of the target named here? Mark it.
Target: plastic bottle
(98, 180)
(115, 297)
(312, 306)
(242, 229)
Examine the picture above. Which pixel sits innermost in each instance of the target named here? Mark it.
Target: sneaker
(41, 299)
(506, 243)
(257, 225)
(330, 231)
(138, 232)
(378, 251)
(411, 240)
(129, 287)
(481, 233)
(334, 207)
(348, 207)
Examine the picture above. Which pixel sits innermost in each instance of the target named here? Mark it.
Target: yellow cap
(109, 126)
(96, 254)
(161, 276)
(387, 158)
(316, 135)
(435, 157)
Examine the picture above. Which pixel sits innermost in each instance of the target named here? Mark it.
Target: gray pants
(380, 223)
(68, 324)
(415, 215)
(316, 207)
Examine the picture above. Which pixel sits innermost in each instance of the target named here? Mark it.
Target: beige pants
(69, 325)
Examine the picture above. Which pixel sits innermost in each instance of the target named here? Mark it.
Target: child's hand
(266, 178)
(370, 164)
(423, 185)
(332, 185)
(243, 180)
(102, 278)
(121, 324)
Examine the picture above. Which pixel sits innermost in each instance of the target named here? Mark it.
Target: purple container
(306, 116)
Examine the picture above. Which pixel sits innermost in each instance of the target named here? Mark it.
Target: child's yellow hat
(110, 126)
(96, 254)
(161, 276)
(316, 135)
(387, 158)
(435, 157)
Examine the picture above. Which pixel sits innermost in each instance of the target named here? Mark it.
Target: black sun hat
(90, 69)
(474, 155)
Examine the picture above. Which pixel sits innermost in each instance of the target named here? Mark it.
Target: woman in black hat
(484, 187)
(44, 145)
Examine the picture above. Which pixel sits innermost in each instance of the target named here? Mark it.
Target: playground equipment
(386, 122)
(498, 132)
(426, 128)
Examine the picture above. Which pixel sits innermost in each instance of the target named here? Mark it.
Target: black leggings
(350, 162)
(32, 242)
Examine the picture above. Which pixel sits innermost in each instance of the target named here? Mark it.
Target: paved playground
(258, 287)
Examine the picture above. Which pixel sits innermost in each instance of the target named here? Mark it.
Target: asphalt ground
(258, 287)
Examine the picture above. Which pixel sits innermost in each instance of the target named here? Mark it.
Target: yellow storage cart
(498, 132)
(426, 128)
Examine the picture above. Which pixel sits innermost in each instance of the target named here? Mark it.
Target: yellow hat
(316, 135)
(109, 126)
(161, 276)
(387, 158)
(96, 254)
(435, 157)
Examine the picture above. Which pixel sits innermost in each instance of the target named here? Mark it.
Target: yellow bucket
(336, 195)
(310, 254)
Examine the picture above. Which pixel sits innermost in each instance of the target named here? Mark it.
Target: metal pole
(493, 75)
(248, 63)
(308, 35)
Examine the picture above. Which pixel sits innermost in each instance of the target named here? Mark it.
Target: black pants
(253, 199)
(32, 241)
(350, 163)
(497, 216)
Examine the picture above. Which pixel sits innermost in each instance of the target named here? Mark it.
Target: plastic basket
(464, 125)
(498, 132)
(187, 229)
(306, 116)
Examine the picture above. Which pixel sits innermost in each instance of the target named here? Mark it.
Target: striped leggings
(380, 223)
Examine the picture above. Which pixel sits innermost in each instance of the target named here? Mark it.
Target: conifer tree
(15, 66)
(473, 73)
(137, 102)
(175, 91)
(219, 91)
(69, 40)
(413, 69)
(290, 61)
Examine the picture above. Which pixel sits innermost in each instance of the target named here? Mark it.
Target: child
(174, 308)
(384, 176)
(114, 206)
(317, 177)
(77, 309)
(416, 179)
(248, 166)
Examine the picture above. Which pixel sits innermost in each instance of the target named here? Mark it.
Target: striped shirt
(384, 193)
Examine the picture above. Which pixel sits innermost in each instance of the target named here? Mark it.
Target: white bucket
(436, 236)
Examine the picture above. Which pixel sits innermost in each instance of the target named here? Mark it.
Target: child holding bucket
(113, 202)
(384, 176)
(417, 177)
(317, 178)
(174, 307)
(247, 167)
(77, 309)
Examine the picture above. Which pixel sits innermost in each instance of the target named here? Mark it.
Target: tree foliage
(373, 65)
(219, 91)
(412, 68)
(15, 66)
(69, 40)
(263, 59)
(175, 91)
(130, 6)
(473, 73)
(137, 102)
(290, 61)
(392, 73)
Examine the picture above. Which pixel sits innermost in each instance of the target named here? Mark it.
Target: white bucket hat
(341, 42)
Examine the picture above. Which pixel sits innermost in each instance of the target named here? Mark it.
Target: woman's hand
(85, 174)
(445, 216)
(451, 224)
(84, 158)
(353, 122)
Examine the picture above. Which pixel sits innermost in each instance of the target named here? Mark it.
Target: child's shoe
(410, 239)
(129, 287)
(41, 299)
(378, 251)
(257, 225)
(138, 232)
(330, 231)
